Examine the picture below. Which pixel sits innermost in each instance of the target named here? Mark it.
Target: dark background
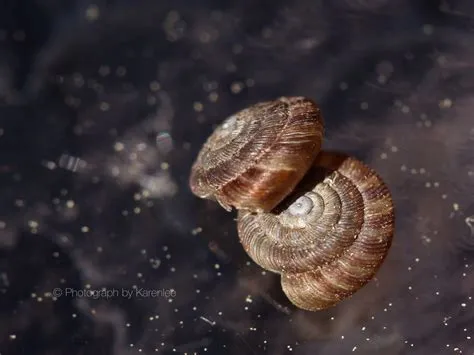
(101, 100)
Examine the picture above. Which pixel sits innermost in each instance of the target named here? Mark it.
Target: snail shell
(256, 157)
(329, 237)
(324, 221)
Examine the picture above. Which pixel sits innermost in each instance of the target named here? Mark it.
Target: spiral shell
(322, 220)
(256, 157)
(329, 237)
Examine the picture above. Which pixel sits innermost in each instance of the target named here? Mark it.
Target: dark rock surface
(103, 108)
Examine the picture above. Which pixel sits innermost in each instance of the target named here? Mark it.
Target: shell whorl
(329, 237)
(256, 157)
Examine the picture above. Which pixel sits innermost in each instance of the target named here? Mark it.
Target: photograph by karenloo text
(105, 293)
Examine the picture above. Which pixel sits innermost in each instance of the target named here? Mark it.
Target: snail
(322, 220)
(256, 157)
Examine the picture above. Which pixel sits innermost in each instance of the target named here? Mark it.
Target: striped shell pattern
(322, 220)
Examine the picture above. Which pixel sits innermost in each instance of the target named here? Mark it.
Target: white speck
(70, 204)
(51, 165)
(196, 231)
(445, 103)
(71, 163)
(236, 87)
(119, 146)
(207, 321)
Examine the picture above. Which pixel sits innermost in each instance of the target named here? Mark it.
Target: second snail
(322, 220)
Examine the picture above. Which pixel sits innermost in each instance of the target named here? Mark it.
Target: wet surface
(104, 107)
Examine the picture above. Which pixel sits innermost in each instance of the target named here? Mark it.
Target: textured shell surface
(329, 237)
(256, 157)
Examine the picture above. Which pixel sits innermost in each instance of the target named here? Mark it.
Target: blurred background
(103, 108)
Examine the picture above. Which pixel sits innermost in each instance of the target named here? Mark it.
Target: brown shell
(327, 253)
(256, 157)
